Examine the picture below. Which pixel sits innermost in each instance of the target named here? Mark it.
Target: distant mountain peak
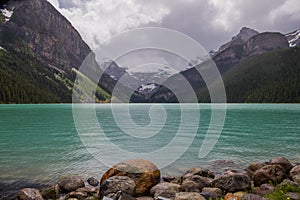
(246, 33)
(240, 39)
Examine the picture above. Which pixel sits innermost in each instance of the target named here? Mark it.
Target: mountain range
(41, 53)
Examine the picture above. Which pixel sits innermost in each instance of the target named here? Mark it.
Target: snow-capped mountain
(144, 78)
(294, 38)
(152, 73)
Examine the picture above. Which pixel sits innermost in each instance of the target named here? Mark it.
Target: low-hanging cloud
(98, 20)
(210, 22)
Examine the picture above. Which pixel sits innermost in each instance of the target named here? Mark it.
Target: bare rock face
(30, 194)
(265, 42)
(240, 39)
(50, 35)
(273, 173)
(231, 53)
(144, 173)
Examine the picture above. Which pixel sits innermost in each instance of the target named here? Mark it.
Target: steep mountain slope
(24, 78)
(233, 55)
(272, 77)
(45, 45)
(244, 45)
(241, 38)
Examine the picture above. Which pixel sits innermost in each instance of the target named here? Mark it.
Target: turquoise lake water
(41, 143)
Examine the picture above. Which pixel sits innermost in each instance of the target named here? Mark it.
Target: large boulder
(188, 196)
(234, 196)
(76, 195)
(144, 198)
(232, 183)
(117, 183)
(164, 186)
(29, 194)
(269, 173)
(164, 194)
(295, 174)
(265, 188)
(295, 171)
(51, 192)
(253, 197)
(252, 167)
(211, 193)
(93, 182)
(198, 171)
(70, 183)
(285, 163)
(144, 173)
(293, 195)
(202, 181)
(194, 182)
(91, 191)
(191, 186)
(172, 179)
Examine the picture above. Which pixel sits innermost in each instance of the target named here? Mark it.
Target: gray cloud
(210, 22)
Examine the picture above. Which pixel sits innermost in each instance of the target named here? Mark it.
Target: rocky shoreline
(142, 180)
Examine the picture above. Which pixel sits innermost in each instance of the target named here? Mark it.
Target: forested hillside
(272, 77)
(25, 79)
(40, 51)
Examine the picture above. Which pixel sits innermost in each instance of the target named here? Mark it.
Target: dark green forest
(24, 78)
(272, 77)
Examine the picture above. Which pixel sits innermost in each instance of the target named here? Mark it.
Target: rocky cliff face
(232, 52)
(240, 39)
(35, 30)
(264, 42)
(39, 25)
(247, 43)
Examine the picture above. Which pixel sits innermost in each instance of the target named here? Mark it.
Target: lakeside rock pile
(141, 180)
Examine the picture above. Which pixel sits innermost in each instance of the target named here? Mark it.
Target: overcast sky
(210, 22)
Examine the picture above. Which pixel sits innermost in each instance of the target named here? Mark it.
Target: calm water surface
(40, 142)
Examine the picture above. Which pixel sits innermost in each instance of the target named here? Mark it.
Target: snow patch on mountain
(147, 87)
(7, 13)
(294, 38)
(155, 68)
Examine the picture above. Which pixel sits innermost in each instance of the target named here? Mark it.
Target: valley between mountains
(41, 53)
